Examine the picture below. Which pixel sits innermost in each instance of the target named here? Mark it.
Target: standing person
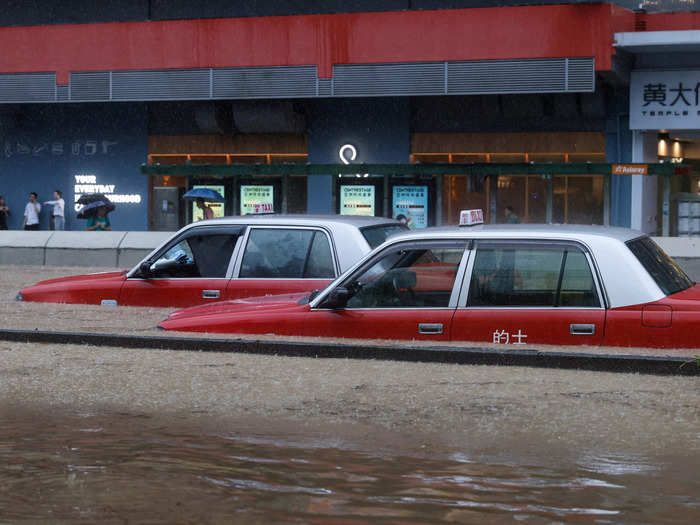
(206, 209)
(511, 217)
(4, 213)
(99, 221)
(58, 220)
(31, 213)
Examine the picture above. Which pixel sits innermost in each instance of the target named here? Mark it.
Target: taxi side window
(417, 277)
(287, 253)
(538, 276)
(197, 256)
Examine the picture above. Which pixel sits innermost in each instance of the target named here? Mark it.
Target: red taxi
(229, 258)
(504, 284)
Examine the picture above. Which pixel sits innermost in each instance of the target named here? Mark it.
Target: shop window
(578, 199)
(296, 194)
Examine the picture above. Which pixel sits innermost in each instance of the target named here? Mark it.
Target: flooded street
(123, 436)
(125, 468)
(119, 435)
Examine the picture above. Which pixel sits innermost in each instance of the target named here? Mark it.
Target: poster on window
(410, 205)
(257, 199)
(357, 200)
(217, 207)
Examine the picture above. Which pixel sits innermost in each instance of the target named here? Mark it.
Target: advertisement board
(357, 200)
(665, 99)
(217, 207)
(410, 206)
(257, 199)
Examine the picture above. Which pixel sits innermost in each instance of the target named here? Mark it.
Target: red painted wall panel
(672, 21)
(468, 34)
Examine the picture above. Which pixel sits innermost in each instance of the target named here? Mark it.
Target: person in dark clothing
(4, 213)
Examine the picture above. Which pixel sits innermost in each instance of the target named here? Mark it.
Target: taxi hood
(267, 302)
(84, 277)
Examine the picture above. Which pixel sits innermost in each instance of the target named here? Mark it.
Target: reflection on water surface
(121, 468)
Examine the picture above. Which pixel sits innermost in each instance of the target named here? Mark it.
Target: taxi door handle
(582, 329)
(430, 328)
(211, 294)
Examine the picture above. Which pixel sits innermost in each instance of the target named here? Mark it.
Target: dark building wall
(44, 147)
(378, 129)
(45, 12)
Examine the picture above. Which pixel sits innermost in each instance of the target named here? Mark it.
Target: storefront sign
(257, 199)
(357, 200)
(665, 100)
(629, 169)
(217, 207)
(88, 183)
(411, 205)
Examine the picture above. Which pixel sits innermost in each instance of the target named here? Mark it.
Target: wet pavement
(123, 435)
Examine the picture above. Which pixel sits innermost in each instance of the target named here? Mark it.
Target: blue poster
(411, 205)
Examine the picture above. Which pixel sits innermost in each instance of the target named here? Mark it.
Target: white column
(644, 187)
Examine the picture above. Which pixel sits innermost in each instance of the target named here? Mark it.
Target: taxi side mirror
(337, 299)
(145, 269)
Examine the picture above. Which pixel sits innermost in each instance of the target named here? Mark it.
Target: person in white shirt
(58, 219)
(31, 213)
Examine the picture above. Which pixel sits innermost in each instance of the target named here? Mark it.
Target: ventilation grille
(581, 74)
(477, 77)
(325, 87)
(265, 82)
(89, 87)
(388, 79)
(62, 93)
(506, 76)
(28, 87)
(171, 84)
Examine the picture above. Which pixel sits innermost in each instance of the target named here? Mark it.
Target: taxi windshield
(667, 274)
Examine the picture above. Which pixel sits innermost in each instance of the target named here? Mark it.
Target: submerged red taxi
(229, 258)
(505, 284)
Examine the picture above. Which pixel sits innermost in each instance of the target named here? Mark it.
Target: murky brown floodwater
(121, 468)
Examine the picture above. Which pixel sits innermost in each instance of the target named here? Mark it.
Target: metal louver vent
(170, 84)
(325, 87)
(581, 74)
(28, 87)
(480, 77)
(62, 93)
(89, 86)
(357, 80)
(265, 82)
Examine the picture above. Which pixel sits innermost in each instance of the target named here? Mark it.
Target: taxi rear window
(375, 235)
(667, 274)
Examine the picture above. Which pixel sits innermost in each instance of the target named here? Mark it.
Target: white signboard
(357, 200)
(665, 100)
(257, 199)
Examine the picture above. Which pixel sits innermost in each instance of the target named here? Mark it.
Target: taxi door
(524, 292)
(276, 260)
(192, 270)
(408, 291)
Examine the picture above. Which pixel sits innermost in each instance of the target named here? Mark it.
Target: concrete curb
(621, 363)
(114, 249)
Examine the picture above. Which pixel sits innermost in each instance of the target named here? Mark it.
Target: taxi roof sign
(471, 217)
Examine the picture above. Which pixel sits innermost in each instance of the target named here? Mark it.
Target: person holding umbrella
(99, 220)
(206, 209)
(202, 196)
(95, 209)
